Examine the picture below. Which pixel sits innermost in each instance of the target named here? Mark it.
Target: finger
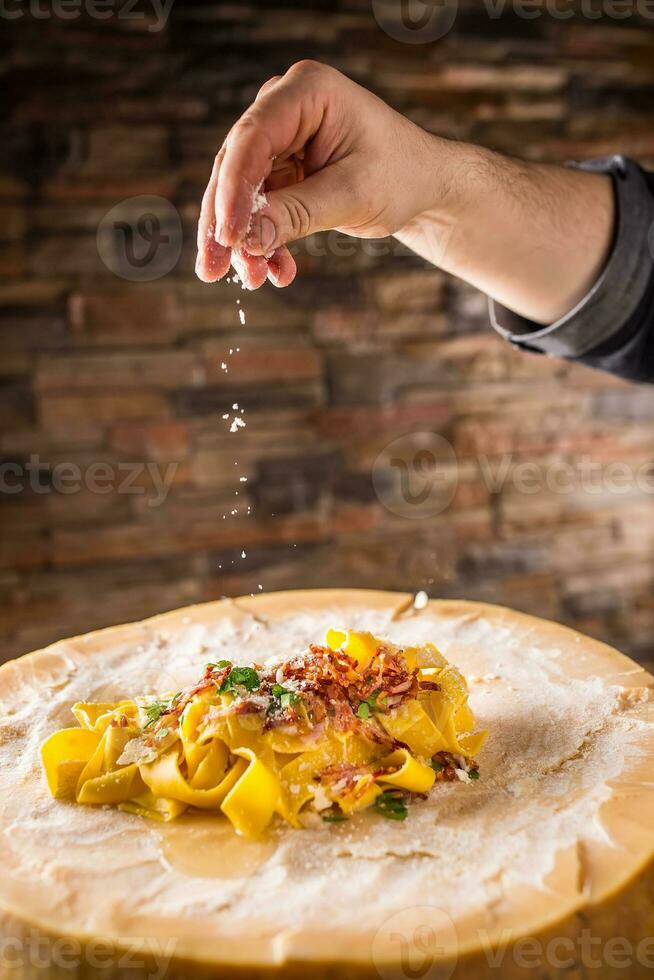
(279, 123)
(213, 259)
(281, 268)
(267, 86)
(325, 200)
(252, 270)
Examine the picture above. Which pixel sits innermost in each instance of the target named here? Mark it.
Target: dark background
(365, 348)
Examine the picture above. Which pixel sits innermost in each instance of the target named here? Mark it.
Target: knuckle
(243, 128)
(270, 83)
(306, 67)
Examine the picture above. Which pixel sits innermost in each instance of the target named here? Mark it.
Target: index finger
(279, 123)
(213, 259)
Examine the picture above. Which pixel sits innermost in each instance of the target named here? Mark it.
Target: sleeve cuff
(615, 296)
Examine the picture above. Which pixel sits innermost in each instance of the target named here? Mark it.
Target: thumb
(325, 200)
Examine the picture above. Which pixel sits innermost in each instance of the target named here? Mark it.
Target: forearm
(533, 237)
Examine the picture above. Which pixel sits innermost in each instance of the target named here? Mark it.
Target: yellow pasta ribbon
(252, 802)
(65, 755)
(249, 762)
(411, 774)
(163, 777)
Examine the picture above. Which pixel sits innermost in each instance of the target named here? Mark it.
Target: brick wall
(112, 376)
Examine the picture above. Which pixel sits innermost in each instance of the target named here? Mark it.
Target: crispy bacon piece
(332, 688)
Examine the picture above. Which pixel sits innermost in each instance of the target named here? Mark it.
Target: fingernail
(262, 235)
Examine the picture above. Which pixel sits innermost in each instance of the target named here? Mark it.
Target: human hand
(327, 154)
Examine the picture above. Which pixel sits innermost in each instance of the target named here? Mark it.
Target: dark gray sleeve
(612, 328)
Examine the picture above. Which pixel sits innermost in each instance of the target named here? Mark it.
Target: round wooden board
(544, 868)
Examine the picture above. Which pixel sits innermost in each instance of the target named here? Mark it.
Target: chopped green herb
(163, 733)
(155, 710)
(286, 697)
(221, 664)
(241, 677)
(371, 703)
(392, 807)
(474, 774)
(436, 765)
(334, 817)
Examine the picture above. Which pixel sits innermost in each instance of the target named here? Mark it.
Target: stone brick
(254, 363)
(12, 222)
(16, 405)
(65, 255)
(154, 369)
(28, 293)
(218, 399)
(402, 292)
(156, 440)
(472, 77)
(59, 409)
(13, 260)
(134, 315)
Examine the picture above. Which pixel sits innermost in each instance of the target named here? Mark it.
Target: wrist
(452, 181)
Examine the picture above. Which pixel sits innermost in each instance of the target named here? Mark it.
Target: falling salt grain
(243, 555)
(420, 600)
(241, 316)
(237, 424)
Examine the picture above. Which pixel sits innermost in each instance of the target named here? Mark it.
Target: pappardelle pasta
(355, 723)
